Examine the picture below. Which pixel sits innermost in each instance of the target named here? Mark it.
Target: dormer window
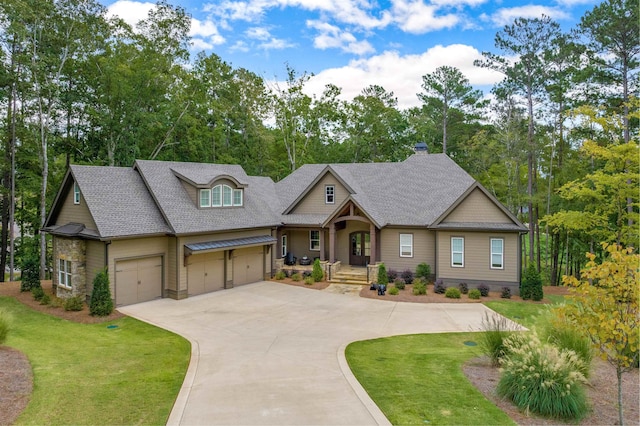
(221, 196)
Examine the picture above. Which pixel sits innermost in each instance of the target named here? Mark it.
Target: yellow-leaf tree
(603, 305)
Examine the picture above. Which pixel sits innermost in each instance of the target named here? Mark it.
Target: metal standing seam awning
(209, 246)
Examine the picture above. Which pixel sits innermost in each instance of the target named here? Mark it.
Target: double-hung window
(216, 196)
(227, 196)
(314, 240)
(237, 197)
(64, 273)
(497, 253)
(406, 245)
(76, 193)
(457, 252)
(284, 246)
(205, 198)
(329, 194)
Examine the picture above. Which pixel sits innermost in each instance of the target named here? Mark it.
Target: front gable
(70, 206)
(314, 199)
(477, 207)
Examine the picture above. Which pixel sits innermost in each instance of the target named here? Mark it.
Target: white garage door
(248, 265)
(205, 273)
(138, 280)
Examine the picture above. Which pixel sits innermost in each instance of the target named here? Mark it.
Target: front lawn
(418, 379)
(119, 372)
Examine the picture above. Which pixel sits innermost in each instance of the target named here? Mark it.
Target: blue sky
(356, 43)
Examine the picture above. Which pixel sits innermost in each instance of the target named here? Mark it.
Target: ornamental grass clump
(496, 329)
(542, 379)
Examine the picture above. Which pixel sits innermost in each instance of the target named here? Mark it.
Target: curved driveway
(269, 353)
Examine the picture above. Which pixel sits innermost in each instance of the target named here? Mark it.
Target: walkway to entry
(273, 354)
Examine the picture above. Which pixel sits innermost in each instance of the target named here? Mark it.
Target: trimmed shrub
(423, 271)
(30, 268)
(73, 304)
(317, 273)
(464, 288)
(531, 285)
(46, 299)
(439, 287)
(392, 274)
(309, 280)
(296, 277)
(101, 303)
(484, 290)
(280, 275)
(306, 274)
(399, 283)
(394, 291)
(474, 294)
(506, 293)
(419, 287)
(407, 276)
(496, 329)
(37, 292)
(543, 379)
(383, 277)
(6, 321)
(452, 293)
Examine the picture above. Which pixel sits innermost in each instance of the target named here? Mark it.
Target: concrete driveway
(269, 353)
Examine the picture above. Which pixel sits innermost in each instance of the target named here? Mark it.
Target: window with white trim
(216, 196)
(457, 252)
(497, 253)
(227, 196)
(221, 196)
(76, 193)
(64, 273)
(237, 197)
(406, 245)
(284, 246)
(329, 194)
(205, 198)
(314, 240)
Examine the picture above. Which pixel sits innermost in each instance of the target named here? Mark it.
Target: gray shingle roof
(185, 217)
(118, 201)
(414, 192)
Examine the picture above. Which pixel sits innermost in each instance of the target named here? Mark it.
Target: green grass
(524, 313)
(418, 379)
(91, 374)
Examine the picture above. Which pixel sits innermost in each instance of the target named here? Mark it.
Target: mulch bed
(16, 377)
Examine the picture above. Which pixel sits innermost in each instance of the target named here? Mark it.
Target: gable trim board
(148, 211)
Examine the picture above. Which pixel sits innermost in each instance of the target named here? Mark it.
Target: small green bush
(419, 287)
(309, 280)
(101, 303)
(531, 286)
(399, 283)
(383, 278)
(423, 271)
(474, 294)
(6, 321)
(280, 275)
(37, 292)
(394, 291)
(496, 329)
(543, 379)
(464, 288)
(73, 304)
(46, 299)
(506, 293)
(317, 273)
(452, 293)
(296, 277)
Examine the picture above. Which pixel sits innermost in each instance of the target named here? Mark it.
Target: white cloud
(131, 12)
(200, 44)
(332, 36)
(402, 74)
(239, 46)
(258, 33)
(415, 17)
(275, 44)
(506, 16)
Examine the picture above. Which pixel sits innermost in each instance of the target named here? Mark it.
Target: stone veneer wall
(73, 250)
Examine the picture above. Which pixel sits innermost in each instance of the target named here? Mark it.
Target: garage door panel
(126, 286)
(248, 266)
(138, 280)
(150, 278)
(205, 273)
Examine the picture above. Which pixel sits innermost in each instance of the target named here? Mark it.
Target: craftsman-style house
(171, 229)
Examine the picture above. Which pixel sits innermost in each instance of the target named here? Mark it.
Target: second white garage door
(205, 273)
(248, 265)
(138, 280)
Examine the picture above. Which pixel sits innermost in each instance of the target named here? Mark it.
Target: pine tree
(101, 303)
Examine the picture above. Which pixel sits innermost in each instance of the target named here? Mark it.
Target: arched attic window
(221, 196)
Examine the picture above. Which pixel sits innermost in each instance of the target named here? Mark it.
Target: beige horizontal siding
(423, 248)
(477, 207)
(314, 201)
(477, 257)
(95, 262)
(77, 213)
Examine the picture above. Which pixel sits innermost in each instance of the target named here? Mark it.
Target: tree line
(557, 144)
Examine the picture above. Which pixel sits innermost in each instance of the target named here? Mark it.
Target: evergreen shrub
(423, 271)
(317, 273)
(101, 304)
(474, 294)
(452, 293)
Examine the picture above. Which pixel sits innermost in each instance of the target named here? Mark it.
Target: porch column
(322, 245)
(332, 242)
(372, 242)
(278, 247)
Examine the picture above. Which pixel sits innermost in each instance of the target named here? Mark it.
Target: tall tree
(526, 39)
(448, 89)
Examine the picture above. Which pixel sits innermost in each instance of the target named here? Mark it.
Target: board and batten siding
(423, 248)
(134, 249)
(477, 207)
(477, 257)
(314, 201)
(95, 262)
(75, 213)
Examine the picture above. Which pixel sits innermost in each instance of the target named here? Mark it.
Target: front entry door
(360, 250)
